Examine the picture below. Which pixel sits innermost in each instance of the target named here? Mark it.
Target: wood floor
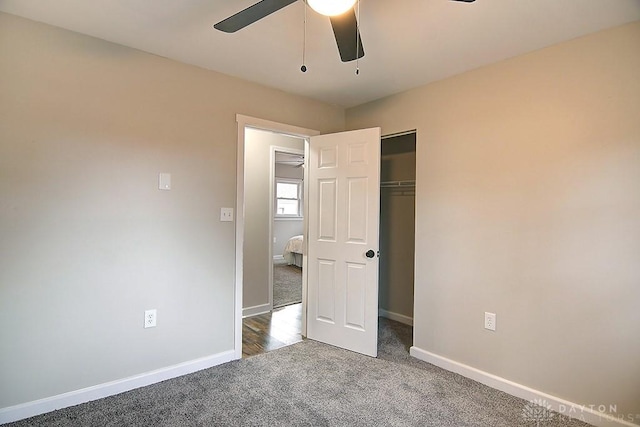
(270, 331)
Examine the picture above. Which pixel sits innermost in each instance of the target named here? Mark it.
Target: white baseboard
(278, 258)
(76, 397)
(586, 413)
(255, 310)
(395, 316)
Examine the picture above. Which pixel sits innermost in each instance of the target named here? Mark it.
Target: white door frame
(243, 122)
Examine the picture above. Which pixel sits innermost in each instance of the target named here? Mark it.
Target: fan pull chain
(304, 39)
(358, 40)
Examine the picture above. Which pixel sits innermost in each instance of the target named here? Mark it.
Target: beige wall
(257, 191)
(87, 241)
(528, 205)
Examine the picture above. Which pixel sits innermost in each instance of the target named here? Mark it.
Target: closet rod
(398, 184)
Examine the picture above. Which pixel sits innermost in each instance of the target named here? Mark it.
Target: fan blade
(251, 14)
(345, 28)
(466, 1)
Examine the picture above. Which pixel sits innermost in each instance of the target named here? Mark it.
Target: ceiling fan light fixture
(331, 7)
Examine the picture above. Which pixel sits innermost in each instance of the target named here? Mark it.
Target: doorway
(254, 239)
(397, 226)
(282, 324)
(287, 226)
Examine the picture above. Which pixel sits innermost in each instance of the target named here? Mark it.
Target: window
(288, 198)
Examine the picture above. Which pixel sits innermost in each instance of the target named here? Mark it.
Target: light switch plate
(226, 214)
(164, 181)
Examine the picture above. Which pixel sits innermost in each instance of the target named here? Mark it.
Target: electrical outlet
(150, 318)
(490, 321)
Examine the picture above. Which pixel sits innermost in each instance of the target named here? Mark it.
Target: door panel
(343, 215)
(356, 296)
(357, 210)
(327, 230)
(326, 293)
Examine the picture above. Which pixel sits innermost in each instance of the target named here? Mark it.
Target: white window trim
(299, 183)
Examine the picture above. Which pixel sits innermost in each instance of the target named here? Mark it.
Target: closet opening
(397, 231)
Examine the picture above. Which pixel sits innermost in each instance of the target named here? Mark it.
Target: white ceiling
(407, 43)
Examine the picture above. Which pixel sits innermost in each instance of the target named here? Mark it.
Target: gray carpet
(287, 285)
(310, 384)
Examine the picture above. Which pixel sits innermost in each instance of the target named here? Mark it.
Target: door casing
(243, 122)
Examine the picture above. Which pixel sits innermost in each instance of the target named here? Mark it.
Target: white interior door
(342, 251)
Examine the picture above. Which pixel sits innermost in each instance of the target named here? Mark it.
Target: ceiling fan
(340, 12)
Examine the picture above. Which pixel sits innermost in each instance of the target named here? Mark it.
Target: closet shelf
(398, 184)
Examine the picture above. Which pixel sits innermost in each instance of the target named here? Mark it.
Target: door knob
(370, 254)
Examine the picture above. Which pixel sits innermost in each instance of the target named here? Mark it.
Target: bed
(293, 251)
